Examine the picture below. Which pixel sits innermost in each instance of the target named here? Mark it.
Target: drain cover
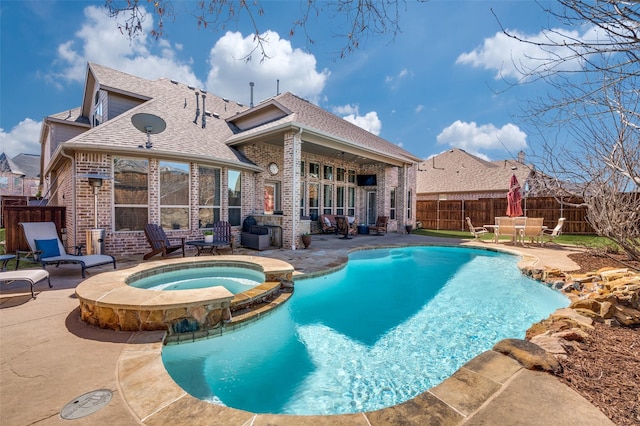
(86, 404)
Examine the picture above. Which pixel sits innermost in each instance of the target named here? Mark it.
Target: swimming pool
(234, 279)
(390, 325)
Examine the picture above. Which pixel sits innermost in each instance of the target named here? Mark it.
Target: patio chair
(32, 276)
(532, 229)
(343, 228)
(159, 242)
(476, 231)
(381, 225)
(505, 227)
(551, 234)
(47, 249)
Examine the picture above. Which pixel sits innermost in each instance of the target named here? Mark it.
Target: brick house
(164, 152)
(20, 175)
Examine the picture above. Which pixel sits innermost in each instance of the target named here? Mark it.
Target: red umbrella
(514, 207)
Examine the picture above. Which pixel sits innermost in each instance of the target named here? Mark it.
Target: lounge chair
(32, 276)
(532, 229)
(47, 249)
(381, 225)
(476, 231)
(159, 242)
(551, 234)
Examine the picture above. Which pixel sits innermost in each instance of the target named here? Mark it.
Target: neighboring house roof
(27, 165)
(185, 137)
(456, 171)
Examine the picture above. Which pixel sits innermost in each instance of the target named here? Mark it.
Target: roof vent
(203, 91)
(239, 104)
(174, 82)
(216, 115)
(191, 87)
(225, 99)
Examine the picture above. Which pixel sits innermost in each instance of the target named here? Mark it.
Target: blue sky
(438, 85)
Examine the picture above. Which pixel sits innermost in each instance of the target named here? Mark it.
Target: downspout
(73, 198)
(295, 210)
(406, 196)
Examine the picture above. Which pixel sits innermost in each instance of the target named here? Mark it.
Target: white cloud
(99, 41)
(419, 109)
(473, 138)
(394, 80)
(510, 57)
(23, 138)
(294, 69)
(370, 121)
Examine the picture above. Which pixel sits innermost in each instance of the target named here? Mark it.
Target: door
(371, 208)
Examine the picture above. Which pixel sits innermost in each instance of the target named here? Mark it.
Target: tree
(589, 122)
(361, 18)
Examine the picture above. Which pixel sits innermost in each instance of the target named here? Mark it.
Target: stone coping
(105, 297)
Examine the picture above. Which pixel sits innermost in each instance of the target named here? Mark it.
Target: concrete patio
(48, 358)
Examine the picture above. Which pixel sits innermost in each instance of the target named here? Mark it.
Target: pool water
(389, 326)
(234, 279)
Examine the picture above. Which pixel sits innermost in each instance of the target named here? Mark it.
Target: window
(328, 199)
(409, 204)
(351, 201)
(97, 113)
(328, 172)
(235, 197)
(392, 208)
(314, 170)
(340, 200)
(352, 176)
(340, 174)
(271, 197)
(314, 190)
(208, 196)
(130, 194)
(302, 169)
(174, 195)
(302, 198)
(4, 182)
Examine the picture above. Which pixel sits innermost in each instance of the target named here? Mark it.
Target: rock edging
(609, 296)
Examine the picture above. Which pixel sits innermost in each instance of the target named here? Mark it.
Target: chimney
(521, 156)
(251, 86)
(277, 87)
(195, 120)
(204, 112)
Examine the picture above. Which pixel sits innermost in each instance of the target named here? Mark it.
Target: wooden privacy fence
(450, 215)
(13, 215)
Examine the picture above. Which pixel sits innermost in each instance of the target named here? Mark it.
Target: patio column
(291, 189)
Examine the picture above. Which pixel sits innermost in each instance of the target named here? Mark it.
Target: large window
(130, 194)
(314, 198)
(208, 196)
(351, 201)
(314, 170)
(272, 197)
(340, 200)
(392, 208)
(328, 172)
(302, 198)
(340, 174)
(235, 197)
(174, 195)
(328, 199)
(409, 204)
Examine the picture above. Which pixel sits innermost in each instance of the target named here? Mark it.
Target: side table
(363, 229)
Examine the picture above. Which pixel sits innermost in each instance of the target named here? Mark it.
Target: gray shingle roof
(456, 171)
(175, 103)
(27, 165)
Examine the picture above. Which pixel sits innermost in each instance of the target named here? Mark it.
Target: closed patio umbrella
(514, 199)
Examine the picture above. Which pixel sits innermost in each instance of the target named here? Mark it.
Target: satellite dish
(149, 124)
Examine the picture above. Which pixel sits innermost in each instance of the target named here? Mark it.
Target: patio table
(203, 246)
